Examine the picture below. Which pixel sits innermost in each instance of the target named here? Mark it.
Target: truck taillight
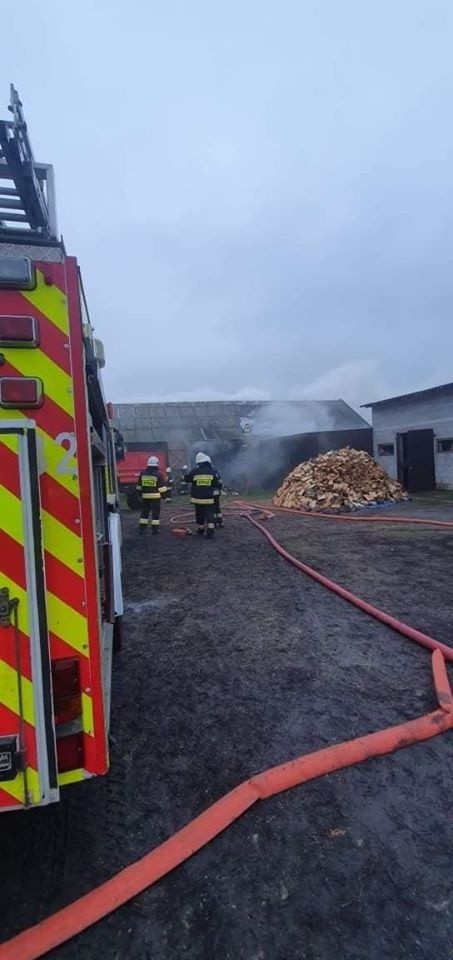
(70, 752)
(67, 693)
(67, 705)
(19, 331)
(21, 392)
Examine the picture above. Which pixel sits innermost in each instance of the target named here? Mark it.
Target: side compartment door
(28, 767)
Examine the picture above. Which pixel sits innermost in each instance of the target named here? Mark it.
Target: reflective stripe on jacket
(151, 484)
(204, 480)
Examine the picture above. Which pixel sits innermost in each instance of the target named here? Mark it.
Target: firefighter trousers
(218, 516)
(150, 507)
(204, 516)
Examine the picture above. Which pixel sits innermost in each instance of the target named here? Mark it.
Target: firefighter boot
(210, 531)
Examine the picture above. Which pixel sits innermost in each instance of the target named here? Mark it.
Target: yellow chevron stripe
(10, 693)
(57, 383)
(87, 711)
(63, 544)
(10, 699)
(15, 788)
(11, 521)
(64, 622)
(50, 454)
(22, 610)
(67, 624)
(51, 301)
(72, 776)
(10, 440)
(59, 541)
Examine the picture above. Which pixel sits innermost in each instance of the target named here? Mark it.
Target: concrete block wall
(387, 462)
(434, 413)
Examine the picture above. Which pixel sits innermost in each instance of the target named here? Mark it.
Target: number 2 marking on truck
(65, 466)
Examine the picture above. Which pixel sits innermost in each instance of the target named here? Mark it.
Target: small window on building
(445, 446)
(386, 449)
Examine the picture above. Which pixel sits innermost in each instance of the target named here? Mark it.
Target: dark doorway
(416, 460)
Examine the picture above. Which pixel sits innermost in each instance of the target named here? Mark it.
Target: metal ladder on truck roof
(27, 208)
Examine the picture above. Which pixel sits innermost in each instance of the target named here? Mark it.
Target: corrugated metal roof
(445, 388)
(221, 419)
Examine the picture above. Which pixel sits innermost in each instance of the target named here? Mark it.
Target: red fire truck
(131, 465)
(60, 535)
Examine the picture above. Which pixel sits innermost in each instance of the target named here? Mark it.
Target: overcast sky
(259, 193)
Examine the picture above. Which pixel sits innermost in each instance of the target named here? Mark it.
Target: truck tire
(133, 501)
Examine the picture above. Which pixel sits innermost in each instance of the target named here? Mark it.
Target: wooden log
(339, 479)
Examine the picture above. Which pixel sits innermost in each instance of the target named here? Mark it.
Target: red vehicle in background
(130, 467)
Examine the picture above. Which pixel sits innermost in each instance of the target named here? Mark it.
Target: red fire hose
(349, 517)
(81, 914)
(270, 509)
(403, 628)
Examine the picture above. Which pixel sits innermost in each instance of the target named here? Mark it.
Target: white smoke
(357, 382)
(284, 419)
(202, 394)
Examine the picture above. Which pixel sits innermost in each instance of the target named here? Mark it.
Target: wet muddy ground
(233, 661)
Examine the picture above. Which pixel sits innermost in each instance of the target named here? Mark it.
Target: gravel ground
(233, 661)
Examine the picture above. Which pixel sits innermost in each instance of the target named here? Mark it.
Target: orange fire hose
(403, 628)
(82, 913)
(78, 916)
(398, 625)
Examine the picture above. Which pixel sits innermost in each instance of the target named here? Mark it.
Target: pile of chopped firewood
(339, 480)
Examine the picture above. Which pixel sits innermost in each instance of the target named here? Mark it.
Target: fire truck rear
(60, 538)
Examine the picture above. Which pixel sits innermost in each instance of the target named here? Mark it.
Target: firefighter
(151, 486)
(203, 480)
(170, 483)
(217, 492)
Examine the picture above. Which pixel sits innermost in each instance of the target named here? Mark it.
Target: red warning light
(20, 392)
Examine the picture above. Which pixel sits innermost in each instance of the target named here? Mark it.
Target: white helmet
(153, 462)
(185, 466)
(202, 458)
(169, 470)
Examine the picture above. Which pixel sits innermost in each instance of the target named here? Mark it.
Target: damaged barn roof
(227, 420)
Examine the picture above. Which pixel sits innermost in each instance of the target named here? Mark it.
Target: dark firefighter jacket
(151, 484)
(205, 482)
